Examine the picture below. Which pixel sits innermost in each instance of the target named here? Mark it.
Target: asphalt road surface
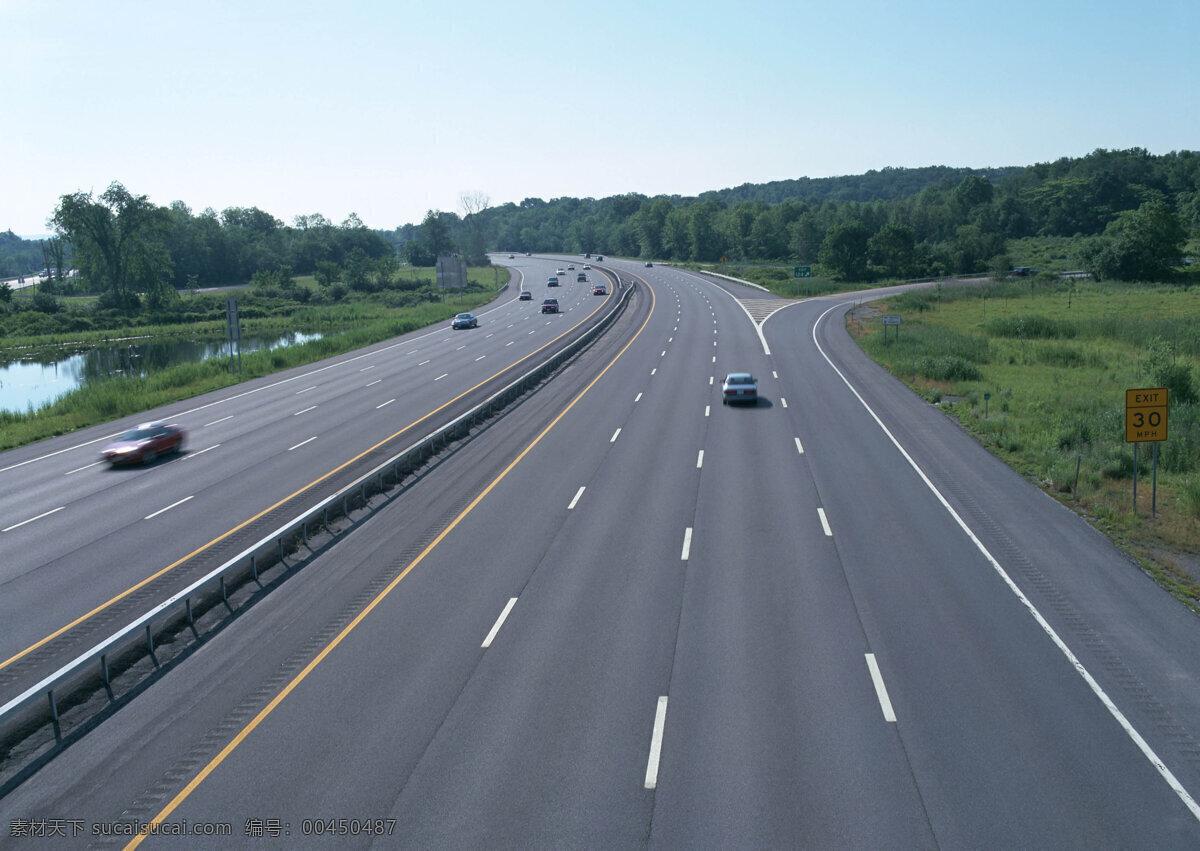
(624, 615)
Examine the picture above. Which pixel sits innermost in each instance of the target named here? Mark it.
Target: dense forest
(1134, 212)
(1130, 214)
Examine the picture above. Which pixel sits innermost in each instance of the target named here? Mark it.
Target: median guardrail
(91, 672)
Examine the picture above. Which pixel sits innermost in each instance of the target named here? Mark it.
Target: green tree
(435, 233)
(892, 249)
(326, 272)
(844, 251)
(1138, 245)
(118, 241)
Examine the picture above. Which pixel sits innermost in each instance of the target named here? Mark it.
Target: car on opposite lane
(739, 387)
(143, 444)
(550, 305)
(465, 320)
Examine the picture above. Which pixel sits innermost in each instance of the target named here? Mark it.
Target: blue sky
(388, 109)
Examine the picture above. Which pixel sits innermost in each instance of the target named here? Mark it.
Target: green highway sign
(802, 271)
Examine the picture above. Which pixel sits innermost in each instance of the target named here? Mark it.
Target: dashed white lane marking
(487, 642)
(885, 702)
(656, 738)
(824, 522)
(578, 494)
(214, 422)
(613, 439)
(31, 519)
(168, 508)
(687, 544)
(302, 443)
(700, 460)
(385, 404)
(305, 411)
(799, 446)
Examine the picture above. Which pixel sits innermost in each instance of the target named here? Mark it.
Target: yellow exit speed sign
(1146, 414)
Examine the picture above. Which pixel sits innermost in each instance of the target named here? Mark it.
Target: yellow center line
(320, 657)
(91, 614)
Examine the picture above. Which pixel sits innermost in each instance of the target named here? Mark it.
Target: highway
(626, 615)
(76, 535)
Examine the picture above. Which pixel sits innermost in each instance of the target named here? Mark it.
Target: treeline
(1136, 210)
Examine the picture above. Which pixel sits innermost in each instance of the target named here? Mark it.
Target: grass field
(1038, 373)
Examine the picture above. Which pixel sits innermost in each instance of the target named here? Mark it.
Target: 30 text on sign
(1146, 414)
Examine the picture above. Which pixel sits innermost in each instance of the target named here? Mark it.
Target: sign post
(891, 320)
(799, 272)
(1146, 421)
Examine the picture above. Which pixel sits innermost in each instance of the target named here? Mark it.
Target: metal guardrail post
(188, 605)
(149, 640)
(104, 668)
(53, 706)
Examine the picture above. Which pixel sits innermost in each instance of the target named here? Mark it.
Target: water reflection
(39, 379)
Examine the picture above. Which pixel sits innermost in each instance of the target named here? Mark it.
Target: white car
(739, 387)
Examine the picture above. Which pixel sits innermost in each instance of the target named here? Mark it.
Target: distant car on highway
(599, 258)
(571, 267)
(648, 264)
(553, 282)
(525, 295)
(143, 444)
(510, 257)
(587, 265)
(550, 305)
(465, 320)
(560, 272)
(599, 289)
(739, 387)
(581, 278)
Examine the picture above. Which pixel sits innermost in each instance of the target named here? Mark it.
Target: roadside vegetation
(347, 319)
(1037, 370)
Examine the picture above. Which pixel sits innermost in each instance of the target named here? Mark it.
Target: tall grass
(1056, 366)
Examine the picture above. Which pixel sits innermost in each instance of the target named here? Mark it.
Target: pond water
(42, 378)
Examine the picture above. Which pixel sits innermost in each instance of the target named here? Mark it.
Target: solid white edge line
(885, 702)
(687, 544)
(31, 519)
(298, 445)
(660, 723)
(487, 642)
(578, 494)
(799, 446)
(613, 439)
(1083, 672)
(168, 508)
(824, 522)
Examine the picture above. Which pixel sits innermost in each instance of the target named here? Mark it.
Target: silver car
(739, 387)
